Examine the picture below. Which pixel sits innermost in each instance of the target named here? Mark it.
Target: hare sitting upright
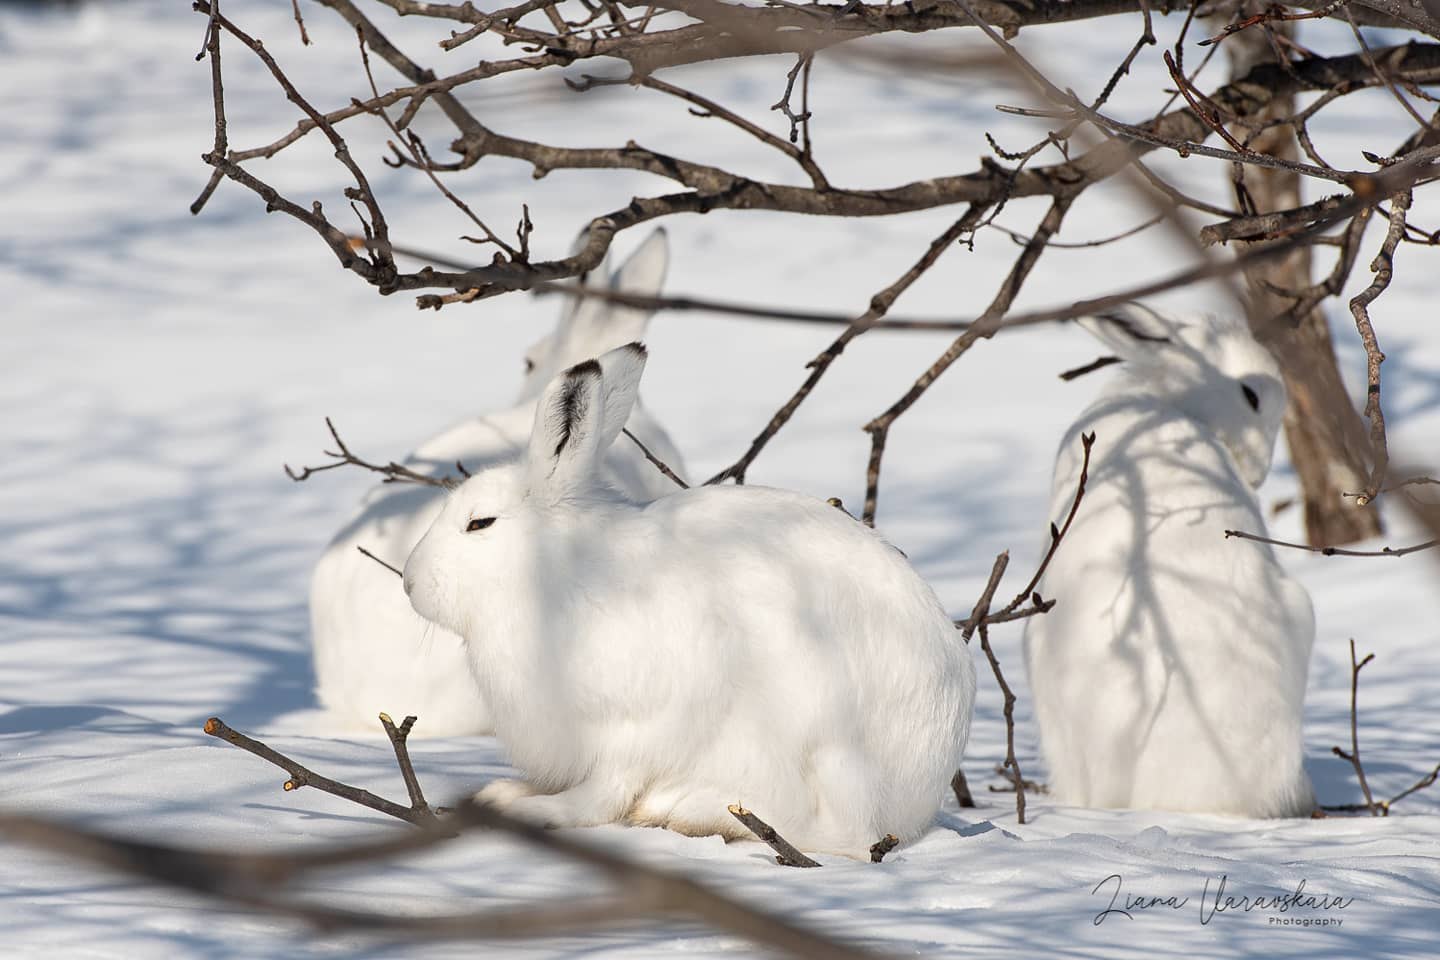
(372, 653)
(654, 662)
(1171, 672)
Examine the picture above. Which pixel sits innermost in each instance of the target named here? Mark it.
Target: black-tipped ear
(621, 385)
(1134, 332)
(565, 437)
(572, 405)
(1138, 322)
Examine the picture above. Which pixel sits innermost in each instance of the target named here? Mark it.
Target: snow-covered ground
(159, 368)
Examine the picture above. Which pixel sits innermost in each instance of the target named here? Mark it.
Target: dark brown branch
(961, 788)
(1011, 763)
(1274, 15)
(980, 618)
(785, 854)
(301, 776)
(393, 472)
(299, 21)
(395, 570)
(879, 305)
(977, 619)
(985, 326)
(1376, 808)
(1383, 268)
(1354, 755)
(217, 95)
(881, 847)
(1425, 781)
(642, 890)
(711, 108)
(1270, 226)
(250, 879)
(655, 461)
(1099, 363)
(724, 190)
(1057, 536)
(420, 158)
(701, 304)
(981, 609)
(382, 264)
(1014, 784)
(398, 736)
(1335, 551)
(1391, 487)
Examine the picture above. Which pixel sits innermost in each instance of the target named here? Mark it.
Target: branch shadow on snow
(179, 588)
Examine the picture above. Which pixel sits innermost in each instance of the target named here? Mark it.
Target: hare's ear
(610, 324)
(595, 275)
(565, 440)
(619, 385)
(1134, 331)
(644, 273)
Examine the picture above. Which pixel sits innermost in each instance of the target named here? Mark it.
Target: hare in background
(372, 653)
(1171, 673)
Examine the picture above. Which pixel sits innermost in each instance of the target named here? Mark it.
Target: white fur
(1171, 672)
(372, 653)
(653, 662)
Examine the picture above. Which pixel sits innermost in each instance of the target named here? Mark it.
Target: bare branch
(1335, 551)
(655, 461)
(1354, 755)
(785, 854)
(301, 776)
(395, 570)
(393, 472)
(1376, 808)
(1383, 268)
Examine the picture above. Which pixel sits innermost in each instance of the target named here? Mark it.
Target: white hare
(1171, 672)
(372, 653)
(653, 662)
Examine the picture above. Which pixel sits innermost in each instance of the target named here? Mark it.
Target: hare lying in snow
(655, 661)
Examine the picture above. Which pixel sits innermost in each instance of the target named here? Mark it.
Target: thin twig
(1376, 808)
(879, 305)
(656, 461)
(299, 22)
(1057, 535)
(1012, 764)
(785, 854)
(392, 471)
(1099, 363)
(398, 736)
(395, 570)
(1335, 551)
(1354, 755)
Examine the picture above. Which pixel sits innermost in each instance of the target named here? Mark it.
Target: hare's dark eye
(529, 365)
(479, 523)
(1251, 397)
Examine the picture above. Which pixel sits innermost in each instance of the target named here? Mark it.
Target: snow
(160, 367)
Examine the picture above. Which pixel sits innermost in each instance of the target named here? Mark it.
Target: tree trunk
(1328, 443)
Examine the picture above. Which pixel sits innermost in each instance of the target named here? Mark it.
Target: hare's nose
(409, 583)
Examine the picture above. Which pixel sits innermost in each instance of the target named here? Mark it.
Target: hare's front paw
(586, 804)
(500, 794)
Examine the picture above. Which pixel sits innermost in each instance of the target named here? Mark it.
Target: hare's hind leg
(849, 809)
